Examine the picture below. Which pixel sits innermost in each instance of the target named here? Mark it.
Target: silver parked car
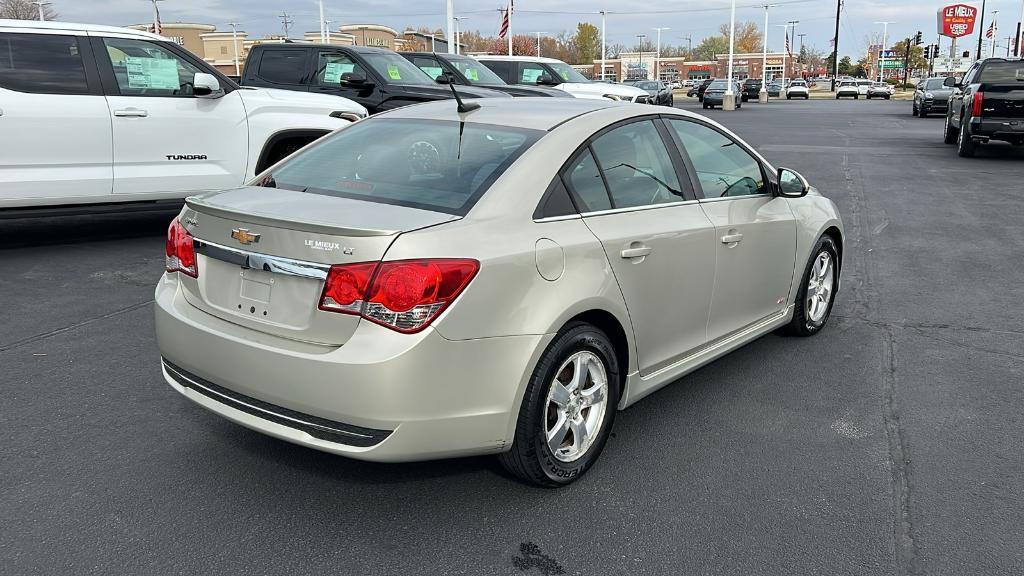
(427, 283)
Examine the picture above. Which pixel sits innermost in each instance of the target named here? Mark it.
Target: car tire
(531, 458)
(913, 110)
(949, 135)
(869, 96)
(811, 311)
(837, 96)
(886, 97)
(965, 147)
(808, 97)
(856, 96)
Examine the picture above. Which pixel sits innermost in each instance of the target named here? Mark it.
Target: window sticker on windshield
(334, 70)
(530, 75)
(393, 72)
(161, 73)
(472, 74)
(565, 76)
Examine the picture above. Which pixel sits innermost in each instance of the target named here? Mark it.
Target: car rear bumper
(383, 396)
(1004, 129)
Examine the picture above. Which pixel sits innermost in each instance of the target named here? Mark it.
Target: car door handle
(638, 252)
(732, 238)
(131, 113)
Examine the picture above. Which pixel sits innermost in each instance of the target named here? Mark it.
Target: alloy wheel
(576, 404)
(819, 287)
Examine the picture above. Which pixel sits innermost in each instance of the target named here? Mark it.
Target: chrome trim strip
(724, 198)
(557, 218)
(638, 208)
(231, 401)
(256, 261)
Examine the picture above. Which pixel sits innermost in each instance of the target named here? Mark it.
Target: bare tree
(24, 10)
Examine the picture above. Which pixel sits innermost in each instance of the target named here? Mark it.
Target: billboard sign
(946, 65)
(957, 20)
(887, 54)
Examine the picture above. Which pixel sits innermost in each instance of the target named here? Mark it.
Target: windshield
(395, 68)
(1003, 72)
(436, 165)
(719, 84)
(933, 84)
(474, 70)
(647, 85)
(567, 73)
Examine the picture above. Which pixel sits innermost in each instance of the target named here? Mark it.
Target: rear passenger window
(585, 180)
(42, 64)
(636, 166)
(428, 65)
(283, 66)
(501, 68)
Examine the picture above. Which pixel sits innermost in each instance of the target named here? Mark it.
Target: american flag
(506, 15)
(788, 51)
(991, 31)
(157, 27)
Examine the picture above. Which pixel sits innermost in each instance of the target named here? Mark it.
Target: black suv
(751, 89)
(466, 71)
(376, 78)
(701, 88)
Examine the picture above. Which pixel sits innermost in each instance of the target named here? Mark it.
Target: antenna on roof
(463, 107)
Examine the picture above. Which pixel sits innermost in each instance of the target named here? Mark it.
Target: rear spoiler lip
(320, 227)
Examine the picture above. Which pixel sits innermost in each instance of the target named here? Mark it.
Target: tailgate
(263, 255)
(1003, 101)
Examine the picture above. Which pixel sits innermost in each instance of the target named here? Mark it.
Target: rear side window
(501, 68)
(636, 166)
(42, 64)
(283, 66)
(1003, 73)
(429, 65)
(435, 165)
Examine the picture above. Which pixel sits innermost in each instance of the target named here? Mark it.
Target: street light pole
(762, 95)
(981, 31)
(450, 27)
(323, 31)
(1018, 50)
(657, 57)
(885, 35)
(729, 98)
(234, 44)
(995, 33)
(458, 32)
(640, 40)
(42, 15)
(538, 42)
(604, 44)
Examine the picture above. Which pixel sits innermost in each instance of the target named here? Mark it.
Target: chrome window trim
(557, 218)
(724, 198)
(265, 262)
(638, 208)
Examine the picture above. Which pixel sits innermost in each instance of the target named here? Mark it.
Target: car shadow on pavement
(54, 230)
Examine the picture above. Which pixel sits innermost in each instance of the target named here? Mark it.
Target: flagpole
(509, 27)
(448, 22)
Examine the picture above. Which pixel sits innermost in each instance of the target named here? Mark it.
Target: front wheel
(568, 409)
(965, 147)
(856, 97)
(817, 291)
(948, 134)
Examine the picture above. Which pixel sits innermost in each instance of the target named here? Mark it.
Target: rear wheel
(568, 409)
(817, 291)
(965, 147)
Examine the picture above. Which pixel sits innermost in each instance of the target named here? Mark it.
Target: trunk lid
(263, 255)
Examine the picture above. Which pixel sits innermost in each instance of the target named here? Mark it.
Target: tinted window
(637, 166)
(723, 167)
(430, 66)
(332, 67)
(145, 68)
(501, 68)
(474, 71)
(394, 68)
(434, 165)
(585, 180)
(283, 66)
(556, 202)
(1002, 73)
(42, 64)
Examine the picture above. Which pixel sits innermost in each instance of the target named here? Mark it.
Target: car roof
(518, 58)
(74, 27)
(531, 113)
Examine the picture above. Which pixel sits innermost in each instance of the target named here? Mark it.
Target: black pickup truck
(376, 78)
(987, 104)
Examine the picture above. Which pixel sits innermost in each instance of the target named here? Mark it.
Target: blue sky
(631, 17)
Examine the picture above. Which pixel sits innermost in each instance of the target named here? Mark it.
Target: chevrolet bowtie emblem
(244, 236)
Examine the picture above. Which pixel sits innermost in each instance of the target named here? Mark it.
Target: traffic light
(936, 51)
(918, 40)
(967, 54)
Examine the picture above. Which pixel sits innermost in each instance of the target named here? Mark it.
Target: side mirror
(792, 184)
(443, 79)
(206, 86)
(546, 80)
(951, 82)
(355, 80)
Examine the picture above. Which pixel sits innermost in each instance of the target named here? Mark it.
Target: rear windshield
(1002, 72)
(424, 164)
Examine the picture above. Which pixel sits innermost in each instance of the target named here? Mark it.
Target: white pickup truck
(101, 115)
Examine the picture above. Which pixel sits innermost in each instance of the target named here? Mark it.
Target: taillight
(180, 251)
(404, 295)
(976, 104)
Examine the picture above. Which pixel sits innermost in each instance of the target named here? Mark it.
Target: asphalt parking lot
(889, 444)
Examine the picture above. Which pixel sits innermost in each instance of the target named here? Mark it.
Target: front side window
(435, 165)
(144, 68)
(332, 68)
(430, 66)
(42, 64)
(530, 72)
(723, 167)
(636, 166)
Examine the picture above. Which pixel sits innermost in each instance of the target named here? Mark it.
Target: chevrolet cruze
(431, 282)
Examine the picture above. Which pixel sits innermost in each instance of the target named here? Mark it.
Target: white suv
(537, 71)
(847, 88)
(97, 114)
